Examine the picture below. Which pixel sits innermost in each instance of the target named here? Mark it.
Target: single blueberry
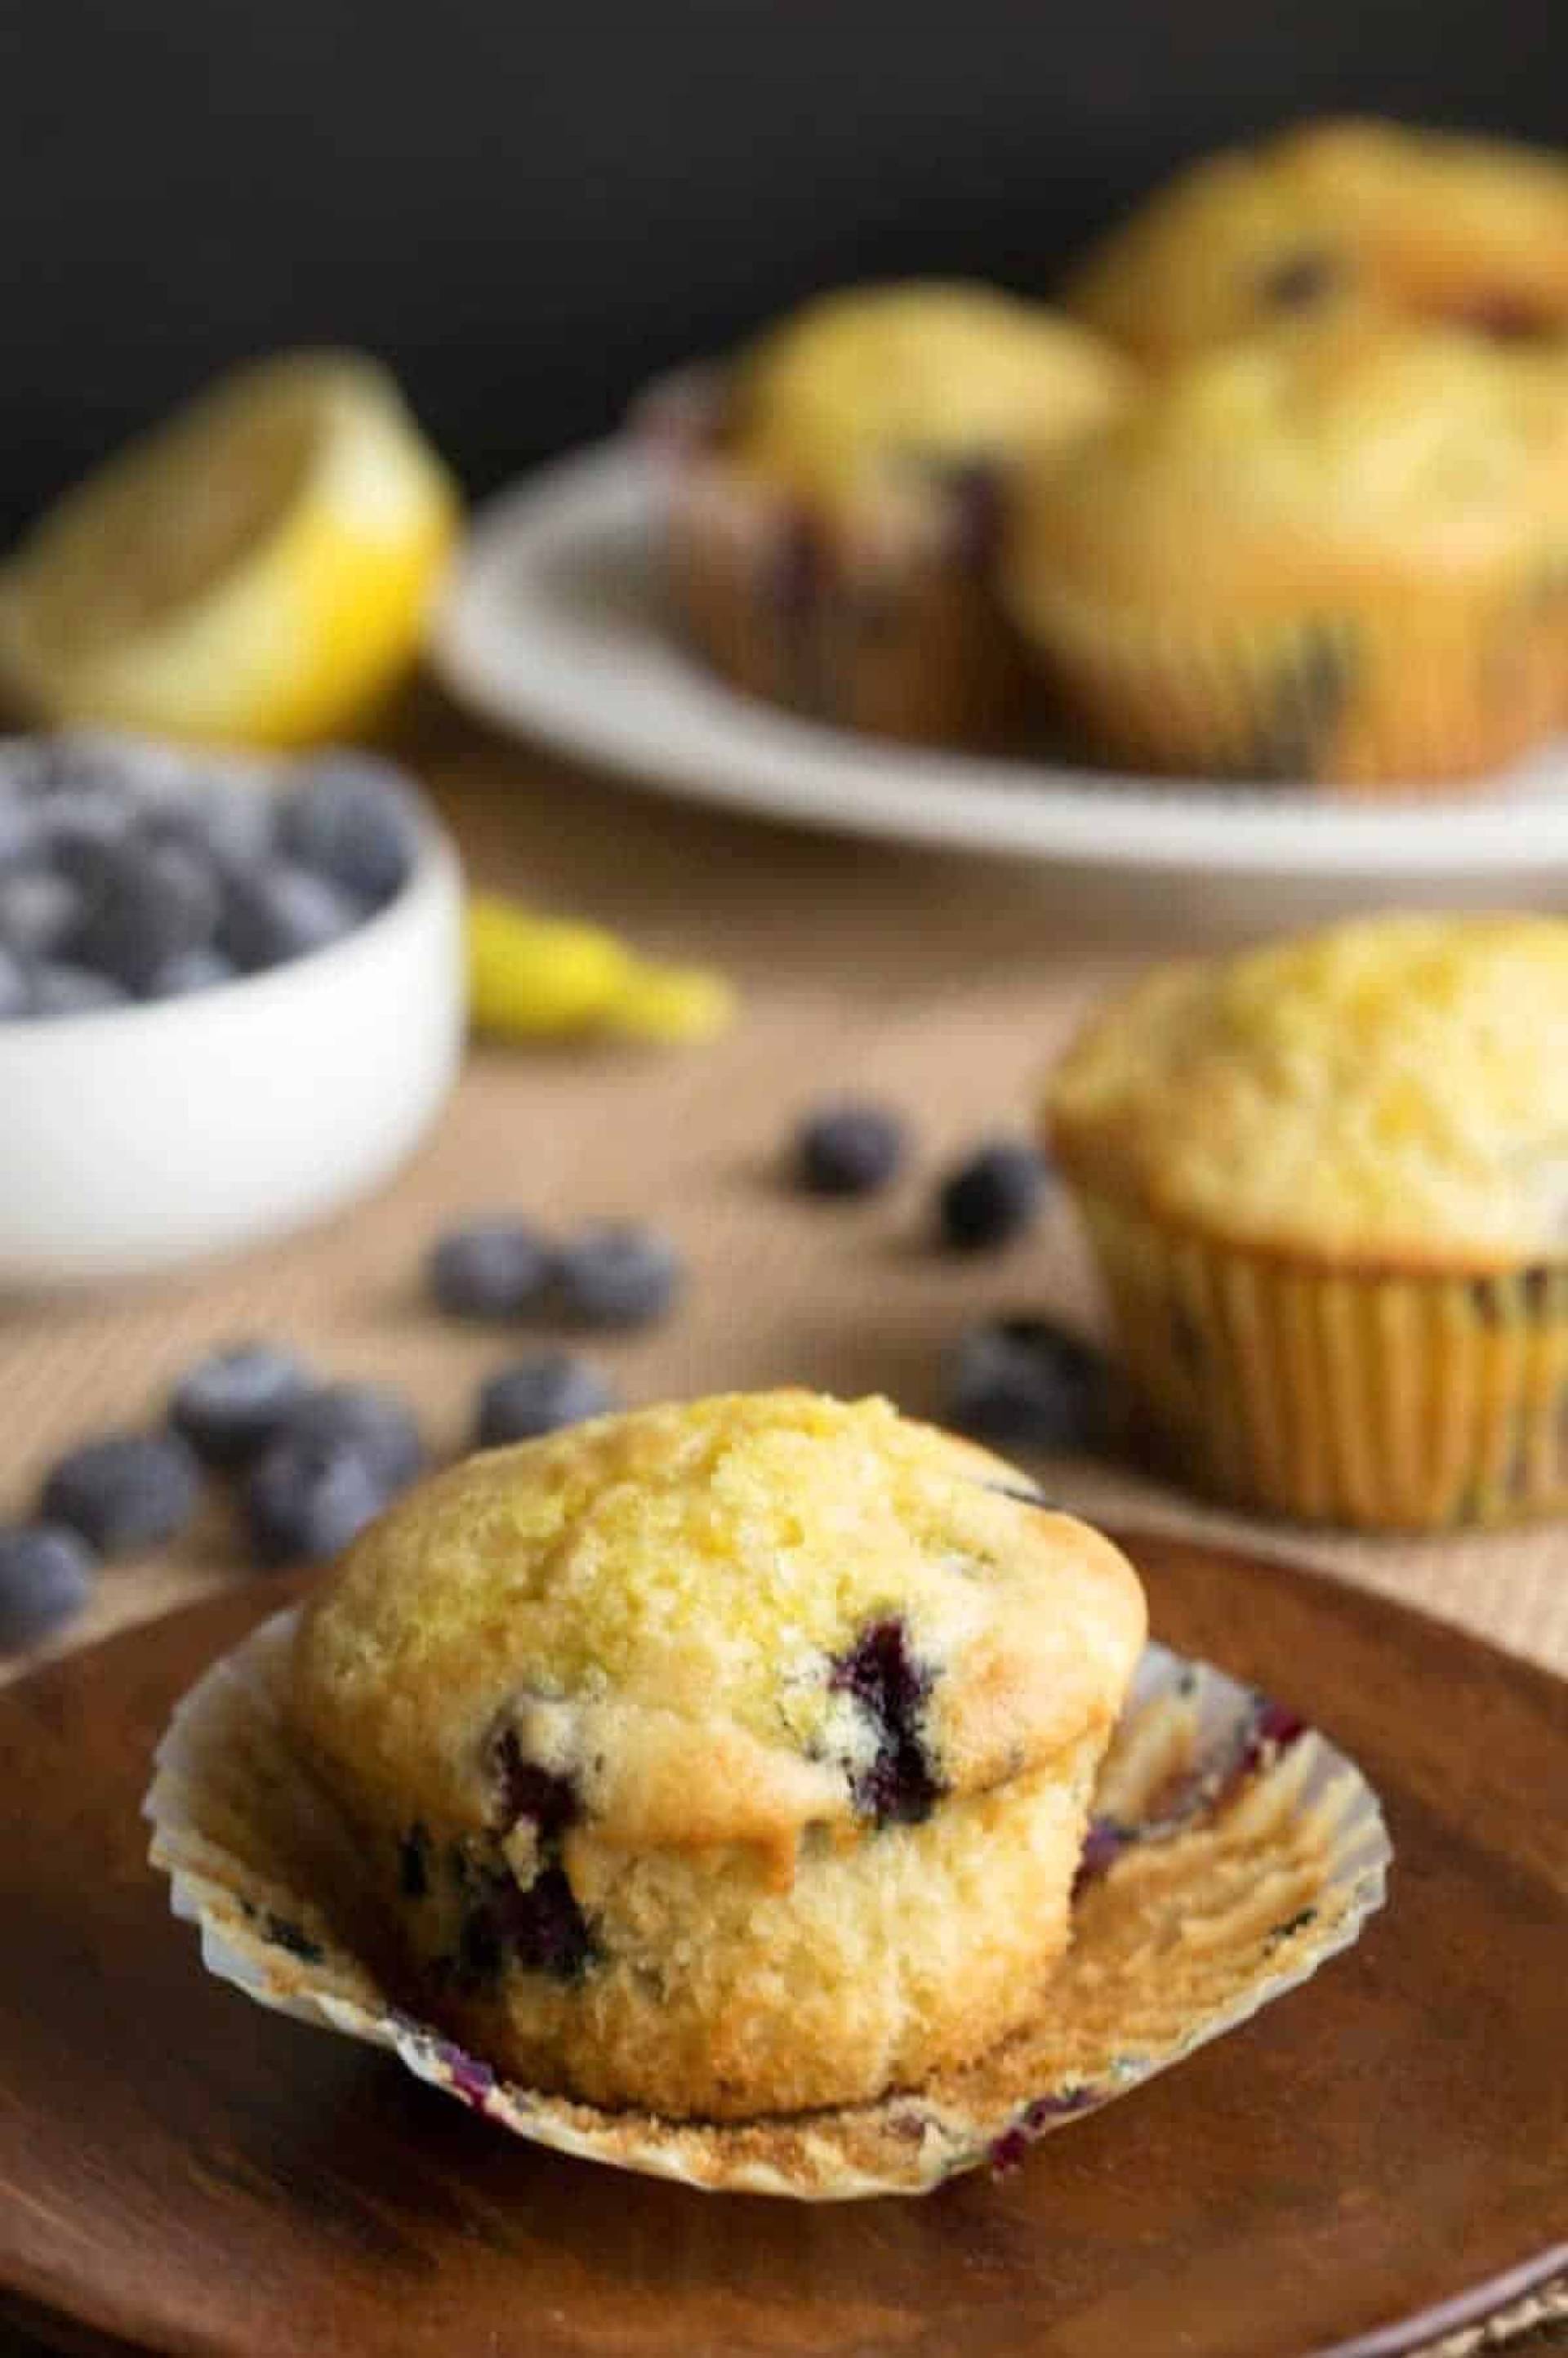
(991, 1198)
(147, 903)
(16, 991)
(128, 1491)
(39, 911)
(1029, 1381)
(361, 1417)
(22, 832)
(232, 823)
(491, 1269)
(899, 1785)
(307, 1498)
(62, 989)
(617, 1274)
(280, 912)
(81, 826)
(188, 971)
(45, 1576)
(230, 1405)
(351, 820)
(850, 1148)
(539, 1395)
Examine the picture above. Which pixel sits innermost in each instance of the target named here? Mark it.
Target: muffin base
(1234, 1853)
(1379, 1400)
(1364, 706)
(894, 631)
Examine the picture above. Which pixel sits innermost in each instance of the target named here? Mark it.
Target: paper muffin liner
(1231, 1852)
(1421, 695)
(1384, 1402)
(882, 618)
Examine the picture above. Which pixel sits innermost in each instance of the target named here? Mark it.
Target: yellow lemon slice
(254, 572)
(535, 977)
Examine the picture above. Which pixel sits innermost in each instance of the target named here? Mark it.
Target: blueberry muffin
(835, 502)
(1332, 554)
(1327, 1183)
(722, 1759)
(1331, 216)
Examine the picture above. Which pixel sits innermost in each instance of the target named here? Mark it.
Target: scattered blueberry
(146, 904)
(526, 1790)
(491, 1269)
(991, 1198)
(851, 1149)
(60, 989)
(350, 821)
(361, 1417)
(308, 1497)
(229, 1406)
(128, 1491)
(188, 971)
(1030, 1382)
(616, 1274)
(539, 1395)
(45, 1576)
(280, 912)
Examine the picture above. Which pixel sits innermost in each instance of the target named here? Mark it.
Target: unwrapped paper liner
(1232, 1852)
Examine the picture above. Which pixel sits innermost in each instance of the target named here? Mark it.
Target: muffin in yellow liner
(1231, 1851)
(1327, 1185)
(836, 494)
(1331, 216)
(1329, 556)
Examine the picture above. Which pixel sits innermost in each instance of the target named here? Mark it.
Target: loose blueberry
(307, 1498)
(1032, 1382)
(82, 824)
(361, 1417)
(45, 1576)
(192, 970)
(991, 1198)
(615, 1274)
(280, 912)
(21, 832)
(229, 1406)
(491, 1269)
(350, 821)
(900, 1787)
(128, 1491)
(60, 989)
(233, 822)
(146, 904)
(39, 911)
(16, 992)
(851, 1149)
(538, 1396)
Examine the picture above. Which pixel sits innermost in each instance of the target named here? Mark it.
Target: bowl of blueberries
(231, 996)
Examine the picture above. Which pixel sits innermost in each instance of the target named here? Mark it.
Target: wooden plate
(1380, 2155)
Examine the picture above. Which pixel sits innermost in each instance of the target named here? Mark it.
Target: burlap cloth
(943, 985)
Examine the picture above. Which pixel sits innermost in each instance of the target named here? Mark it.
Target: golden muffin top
(1392, 1092)
(1336, 458)
(720, 1621)
(1335, 215)
(917, 378)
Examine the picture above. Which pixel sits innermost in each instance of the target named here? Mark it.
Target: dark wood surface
(185, 2172)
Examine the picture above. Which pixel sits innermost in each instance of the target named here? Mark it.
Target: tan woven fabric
(943, 985)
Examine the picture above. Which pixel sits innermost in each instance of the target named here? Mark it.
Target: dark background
(528, 209)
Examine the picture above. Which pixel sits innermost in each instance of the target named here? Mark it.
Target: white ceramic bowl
(138, 1138)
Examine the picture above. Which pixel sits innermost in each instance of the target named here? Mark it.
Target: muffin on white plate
(838, 491)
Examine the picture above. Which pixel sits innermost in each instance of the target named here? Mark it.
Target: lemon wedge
(257, 571)
(539, 978)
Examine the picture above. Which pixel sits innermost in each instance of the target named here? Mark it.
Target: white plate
(555, 625)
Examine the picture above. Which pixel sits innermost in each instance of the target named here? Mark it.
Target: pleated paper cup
(1374, 1398)
(1232, 1852)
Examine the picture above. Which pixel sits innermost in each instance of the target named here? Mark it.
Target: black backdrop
(529, 205)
